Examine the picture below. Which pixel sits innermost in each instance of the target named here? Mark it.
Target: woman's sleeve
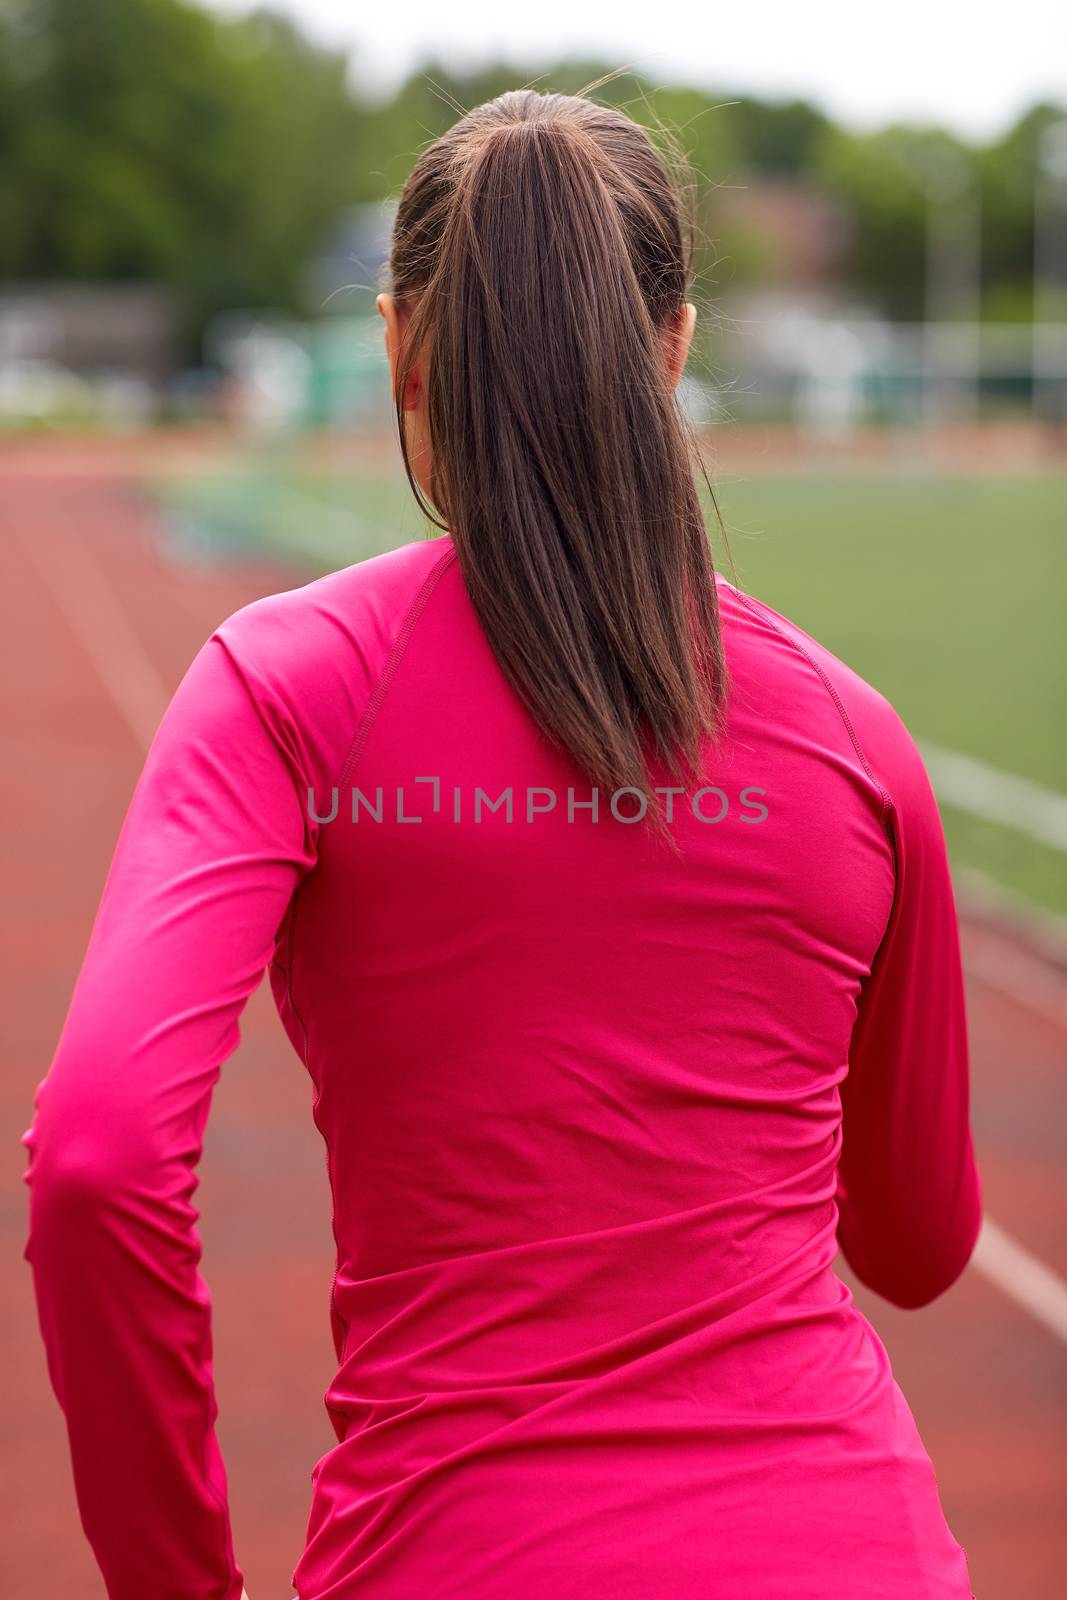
(908, 1186)
(216, 839)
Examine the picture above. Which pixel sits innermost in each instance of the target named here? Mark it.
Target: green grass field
(948, 593)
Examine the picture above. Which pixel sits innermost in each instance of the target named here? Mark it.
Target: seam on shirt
(887, 813)
(887, 803)
(355, 750)
(388, 672)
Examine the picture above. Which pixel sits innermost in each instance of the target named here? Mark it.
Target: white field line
(140, 696)
(1001, 797)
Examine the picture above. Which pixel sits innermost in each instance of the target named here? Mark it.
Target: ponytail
(539, 248)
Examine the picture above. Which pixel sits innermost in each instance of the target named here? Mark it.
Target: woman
(610, 914)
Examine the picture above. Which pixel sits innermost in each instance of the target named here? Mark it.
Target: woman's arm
(216, 839)
(908, 1186)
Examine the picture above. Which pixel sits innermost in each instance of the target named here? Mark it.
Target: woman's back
(598, 1101)
(581, 1098)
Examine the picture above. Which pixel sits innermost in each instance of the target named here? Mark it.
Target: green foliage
(152, 139)
(148, 139)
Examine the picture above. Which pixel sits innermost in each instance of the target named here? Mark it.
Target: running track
(97, 627)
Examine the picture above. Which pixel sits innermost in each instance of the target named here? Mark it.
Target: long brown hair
(541, 247)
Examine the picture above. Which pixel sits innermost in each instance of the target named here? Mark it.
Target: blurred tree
(778, 138)
(152, 139)
(885, 179)
(1008, 171)
(148, 139)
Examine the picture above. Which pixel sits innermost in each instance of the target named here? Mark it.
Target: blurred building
(90, 328)
(84, 353)
(797, 234)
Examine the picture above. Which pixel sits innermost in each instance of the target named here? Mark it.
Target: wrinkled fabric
(596, 1116)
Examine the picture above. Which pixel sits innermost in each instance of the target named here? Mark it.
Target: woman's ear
(677, 338)
(386, 307)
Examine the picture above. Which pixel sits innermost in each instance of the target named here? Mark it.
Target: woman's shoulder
(876, 729)
(311, 657)
(357, 612)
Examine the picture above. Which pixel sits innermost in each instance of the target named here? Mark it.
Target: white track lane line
(141, 697)
(998, 964)
(1021, 1276)
(126, 670)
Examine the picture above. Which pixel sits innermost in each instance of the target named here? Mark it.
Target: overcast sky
(971, 65)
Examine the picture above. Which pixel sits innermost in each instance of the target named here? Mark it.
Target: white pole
(953, 286)
(1050, 272)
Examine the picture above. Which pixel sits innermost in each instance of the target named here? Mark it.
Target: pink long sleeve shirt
(596, 1117)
